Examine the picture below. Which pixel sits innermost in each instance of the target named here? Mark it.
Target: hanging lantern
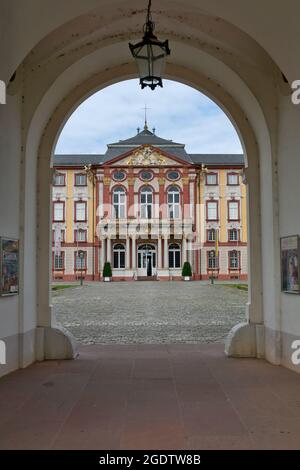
(150, 55)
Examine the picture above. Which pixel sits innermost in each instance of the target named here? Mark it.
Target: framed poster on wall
(9, 266)
(290, 264)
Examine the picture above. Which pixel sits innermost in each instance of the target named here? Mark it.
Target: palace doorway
(147, 260)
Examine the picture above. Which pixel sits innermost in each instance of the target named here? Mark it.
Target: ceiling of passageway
(270, 23)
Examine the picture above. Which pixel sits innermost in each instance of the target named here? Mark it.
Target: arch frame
(245, 339)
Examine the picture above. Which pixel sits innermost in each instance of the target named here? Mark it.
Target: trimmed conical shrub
(187, 270)
(107, 272)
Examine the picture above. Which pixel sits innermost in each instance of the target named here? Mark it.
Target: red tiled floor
(151, 397)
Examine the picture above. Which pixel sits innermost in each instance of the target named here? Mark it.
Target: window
(80, 211)
(119, 175)
(211, 235)
(174, 202)
(173, 175)
(119, 203)
(213, 261)
(59, 262)
(146, 203)
(80, 179)
(233, 235)
(174, 256)
(212, 210)
(61, 236)
(146, 175)
(232, 179)
(58, 211)
(234, 259)
(233, 210)
(119, 256)
(211, 179)
(80, 235)
(59, 179)
(80, 263)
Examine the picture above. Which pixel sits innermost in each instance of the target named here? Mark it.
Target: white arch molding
(221, 50)
(245, 339)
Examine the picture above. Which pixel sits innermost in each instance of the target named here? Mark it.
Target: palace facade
(146, 206)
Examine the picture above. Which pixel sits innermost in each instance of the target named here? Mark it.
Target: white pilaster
(184, 254)
(166, 253)
(133, 253)
(159, 254)
(127, 253)
(103, 245)
(109, 250)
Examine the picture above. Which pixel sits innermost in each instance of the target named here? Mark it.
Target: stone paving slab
(147, 396)
(149, 312)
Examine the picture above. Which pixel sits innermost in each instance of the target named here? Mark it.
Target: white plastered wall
(251, 86)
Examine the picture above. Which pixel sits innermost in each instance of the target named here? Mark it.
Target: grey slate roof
(149, 138)
(218, 159)
(146, 137)
(77, 160)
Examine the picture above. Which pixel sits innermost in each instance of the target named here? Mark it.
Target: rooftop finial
(146, 123)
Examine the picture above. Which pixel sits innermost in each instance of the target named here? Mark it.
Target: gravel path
(149, 312)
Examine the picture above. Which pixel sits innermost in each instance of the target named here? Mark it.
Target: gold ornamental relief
(106, 181)
(146, 157)
(131, 180)
(185, 180)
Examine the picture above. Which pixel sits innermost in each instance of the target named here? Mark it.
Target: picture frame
(290, 256)
(9, 266)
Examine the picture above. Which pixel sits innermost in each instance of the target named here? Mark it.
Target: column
(159, 253)
(103, 242)
(166, 253)
(184, 258)
(127, 253)
(108, 255)
(133, 253)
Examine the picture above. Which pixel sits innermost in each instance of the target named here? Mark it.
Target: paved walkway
(151, 397)
(150, 312)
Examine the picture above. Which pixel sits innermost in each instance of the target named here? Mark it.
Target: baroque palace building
(147, 206)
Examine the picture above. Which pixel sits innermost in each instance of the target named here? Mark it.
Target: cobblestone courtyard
(149, 312)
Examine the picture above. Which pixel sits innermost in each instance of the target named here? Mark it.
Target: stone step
(147, 278)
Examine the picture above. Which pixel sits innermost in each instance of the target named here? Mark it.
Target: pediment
(146, 156)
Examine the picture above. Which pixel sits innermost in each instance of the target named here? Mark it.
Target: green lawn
(62, 286)
(236, 286)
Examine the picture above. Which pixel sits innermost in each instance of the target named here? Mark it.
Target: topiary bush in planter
(187, 271)
(107, 272)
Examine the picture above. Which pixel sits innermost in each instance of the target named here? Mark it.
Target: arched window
(119, 203)
(146, 201)
(174, 202)
(174, 255)
(119, 256)
(233, 235)
(211, 235)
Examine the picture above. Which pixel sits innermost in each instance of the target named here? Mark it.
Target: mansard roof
(218, 159)
(146, 137)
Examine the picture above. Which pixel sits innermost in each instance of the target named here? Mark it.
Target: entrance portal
(147, 260)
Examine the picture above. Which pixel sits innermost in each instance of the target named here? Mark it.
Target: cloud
(177, 111)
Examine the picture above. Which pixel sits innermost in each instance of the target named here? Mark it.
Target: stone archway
(239, 76)
(245, 339)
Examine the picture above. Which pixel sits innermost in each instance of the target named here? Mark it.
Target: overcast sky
(177, 111)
